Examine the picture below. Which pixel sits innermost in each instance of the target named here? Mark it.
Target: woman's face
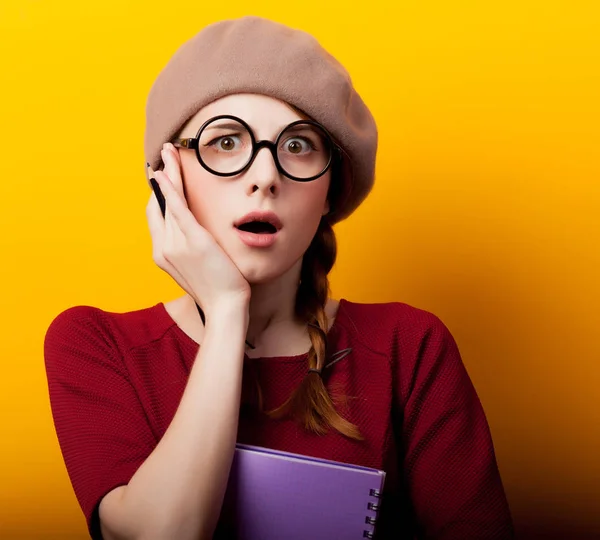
(218, 202)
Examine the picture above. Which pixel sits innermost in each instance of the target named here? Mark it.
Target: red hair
(310, 403)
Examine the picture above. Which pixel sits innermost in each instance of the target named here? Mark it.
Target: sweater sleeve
(450, 467)
(102, 430)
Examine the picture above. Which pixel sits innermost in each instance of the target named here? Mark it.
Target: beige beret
(256, 55)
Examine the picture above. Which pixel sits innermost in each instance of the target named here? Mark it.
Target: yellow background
(485, 211)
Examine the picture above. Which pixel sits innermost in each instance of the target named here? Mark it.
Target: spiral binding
(375, 508)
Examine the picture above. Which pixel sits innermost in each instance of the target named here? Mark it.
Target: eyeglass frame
(193, 143)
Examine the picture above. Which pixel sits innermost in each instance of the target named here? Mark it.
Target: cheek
(309, 205)
(205, 202)
(311, 200)
(202, 194)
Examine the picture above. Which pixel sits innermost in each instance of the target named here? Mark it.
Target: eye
(226, 143)
(298, 145)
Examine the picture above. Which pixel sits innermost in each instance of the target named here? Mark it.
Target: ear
(326, 208)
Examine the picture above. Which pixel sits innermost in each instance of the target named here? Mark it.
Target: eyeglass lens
(303, 150)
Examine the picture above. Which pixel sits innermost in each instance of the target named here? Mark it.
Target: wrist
(234, 310)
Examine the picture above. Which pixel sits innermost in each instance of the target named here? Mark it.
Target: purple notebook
(274, 495)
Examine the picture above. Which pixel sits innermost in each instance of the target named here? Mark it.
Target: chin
(264, 266)
(262, 272)
(256, 277)
(254, 269)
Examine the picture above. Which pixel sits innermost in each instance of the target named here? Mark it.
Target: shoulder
(394, 322)
(423, 355)
(86, 327)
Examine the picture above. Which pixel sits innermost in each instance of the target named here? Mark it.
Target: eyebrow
(300, 127)
(237, 125)
(227, 125)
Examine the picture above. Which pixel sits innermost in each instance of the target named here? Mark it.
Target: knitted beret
(256, 55)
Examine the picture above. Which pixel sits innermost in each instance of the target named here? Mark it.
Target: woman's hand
(186, 250)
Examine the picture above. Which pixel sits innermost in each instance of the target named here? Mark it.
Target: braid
(310, 402)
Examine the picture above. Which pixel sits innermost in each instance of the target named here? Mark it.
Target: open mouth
(258, 227)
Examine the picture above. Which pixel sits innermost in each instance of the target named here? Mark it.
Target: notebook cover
(275, 495)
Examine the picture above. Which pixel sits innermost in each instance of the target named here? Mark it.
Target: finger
(155, 209)
(162, 202)
(173, 168)
(156, 215)
(176, 205)
(173, 235)
(156, 222)
(156, 190)
(160, 236)
(158, 255)
(162, 229)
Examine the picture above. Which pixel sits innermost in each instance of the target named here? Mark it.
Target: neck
(272, 305)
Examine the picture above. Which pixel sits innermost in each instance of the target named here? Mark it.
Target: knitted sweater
(115, 381)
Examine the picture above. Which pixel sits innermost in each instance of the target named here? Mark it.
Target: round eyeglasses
(226, 146)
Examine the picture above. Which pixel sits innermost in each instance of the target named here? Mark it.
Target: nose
(263, 172)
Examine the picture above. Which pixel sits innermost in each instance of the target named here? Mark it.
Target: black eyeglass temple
(185, 143)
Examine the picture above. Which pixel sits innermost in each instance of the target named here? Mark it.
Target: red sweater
(115, 381)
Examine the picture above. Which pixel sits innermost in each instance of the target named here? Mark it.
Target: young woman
(259, 144)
